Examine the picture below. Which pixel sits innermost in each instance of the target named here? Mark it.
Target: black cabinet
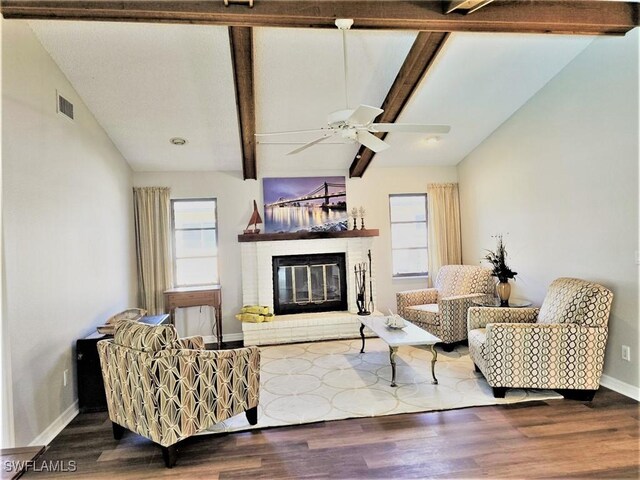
(91, 396)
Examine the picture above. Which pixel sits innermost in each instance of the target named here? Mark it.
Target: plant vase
(501, 271)
(503, 289)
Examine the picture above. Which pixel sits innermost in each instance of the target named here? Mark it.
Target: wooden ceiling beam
(423, 53)
(525, 16)
(241, 43)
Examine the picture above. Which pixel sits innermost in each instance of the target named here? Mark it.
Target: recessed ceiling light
(178, 141)
(431, 140)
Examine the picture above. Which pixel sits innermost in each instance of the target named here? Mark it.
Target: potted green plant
(501, 270)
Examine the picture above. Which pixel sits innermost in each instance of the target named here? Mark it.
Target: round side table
(491, 301)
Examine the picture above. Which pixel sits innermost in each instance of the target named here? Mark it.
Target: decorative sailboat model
(254, 220)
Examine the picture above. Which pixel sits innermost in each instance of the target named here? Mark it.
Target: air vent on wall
(65, 107)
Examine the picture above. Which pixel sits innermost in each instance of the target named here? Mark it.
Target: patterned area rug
(311, 382)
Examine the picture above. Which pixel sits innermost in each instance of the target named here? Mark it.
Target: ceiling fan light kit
(356, 125)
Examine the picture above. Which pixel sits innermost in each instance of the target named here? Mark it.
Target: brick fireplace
(258, 252)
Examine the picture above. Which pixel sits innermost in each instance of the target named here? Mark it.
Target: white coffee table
(409, 335)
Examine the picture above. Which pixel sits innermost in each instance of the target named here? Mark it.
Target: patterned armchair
(442, 310)
(559, 346)
(167, 389)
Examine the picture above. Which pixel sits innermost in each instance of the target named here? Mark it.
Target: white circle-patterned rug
(319, 381)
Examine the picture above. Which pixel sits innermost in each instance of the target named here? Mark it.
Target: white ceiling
(479, 81)
(146, 83)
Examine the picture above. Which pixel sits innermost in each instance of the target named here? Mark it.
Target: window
(195, 241)
(408, 215)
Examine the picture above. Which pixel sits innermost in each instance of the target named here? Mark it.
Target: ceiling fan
(356, 125)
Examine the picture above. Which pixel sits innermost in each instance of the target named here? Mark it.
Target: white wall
(68, 231)
(372, 191)
(235, 205)
(560, 180)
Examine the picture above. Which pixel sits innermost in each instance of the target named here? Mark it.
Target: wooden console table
(210, 295)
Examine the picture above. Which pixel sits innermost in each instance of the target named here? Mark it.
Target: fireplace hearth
(309, 283)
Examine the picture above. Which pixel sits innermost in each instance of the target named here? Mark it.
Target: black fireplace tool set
(360, 271)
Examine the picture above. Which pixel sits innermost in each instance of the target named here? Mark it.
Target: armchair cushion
(429, 307)
(478, 341)
(453, 280)
(191, 343)
(145, 337)
(570, 300)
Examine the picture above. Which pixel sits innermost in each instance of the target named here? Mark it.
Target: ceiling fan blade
(363, 115)
(275, 142)
(315, 130)
(309, 144)
(370, 141)
(408, 127)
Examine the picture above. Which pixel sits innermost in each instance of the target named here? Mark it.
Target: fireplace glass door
(309, 283)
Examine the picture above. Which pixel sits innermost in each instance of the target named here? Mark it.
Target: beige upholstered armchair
(559, 346)
(442, 310)
(167, 389)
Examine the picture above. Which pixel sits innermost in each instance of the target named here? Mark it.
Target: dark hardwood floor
(14, 461)
(549, 439)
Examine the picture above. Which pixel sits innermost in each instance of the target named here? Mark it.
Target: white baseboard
(227, 337)
(621, 387)
(57, 426)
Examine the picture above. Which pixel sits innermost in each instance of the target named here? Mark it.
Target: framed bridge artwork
(312, 204)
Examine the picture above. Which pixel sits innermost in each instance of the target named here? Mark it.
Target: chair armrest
(480, 317)
(409, 298)
(557, 355)
(457, 306)
(192, 343)
(469, 296)
(219, 355)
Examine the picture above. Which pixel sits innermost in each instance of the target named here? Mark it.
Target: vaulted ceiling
(148, 82)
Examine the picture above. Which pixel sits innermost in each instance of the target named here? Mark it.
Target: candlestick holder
(362, 213)
(354, 214)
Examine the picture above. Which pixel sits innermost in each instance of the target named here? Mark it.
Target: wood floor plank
(387, 436)
(580, 426)
(299, 432)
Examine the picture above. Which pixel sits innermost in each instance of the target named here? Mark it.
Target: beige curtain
(151, 206)
(444, 241)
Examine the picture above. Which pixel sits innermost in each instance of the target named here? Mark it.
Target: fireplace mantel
(271, 237)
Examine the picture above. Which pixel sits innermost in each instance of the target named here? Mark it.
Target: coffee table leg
(433, 364)
(362, 335)
(392, 358)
